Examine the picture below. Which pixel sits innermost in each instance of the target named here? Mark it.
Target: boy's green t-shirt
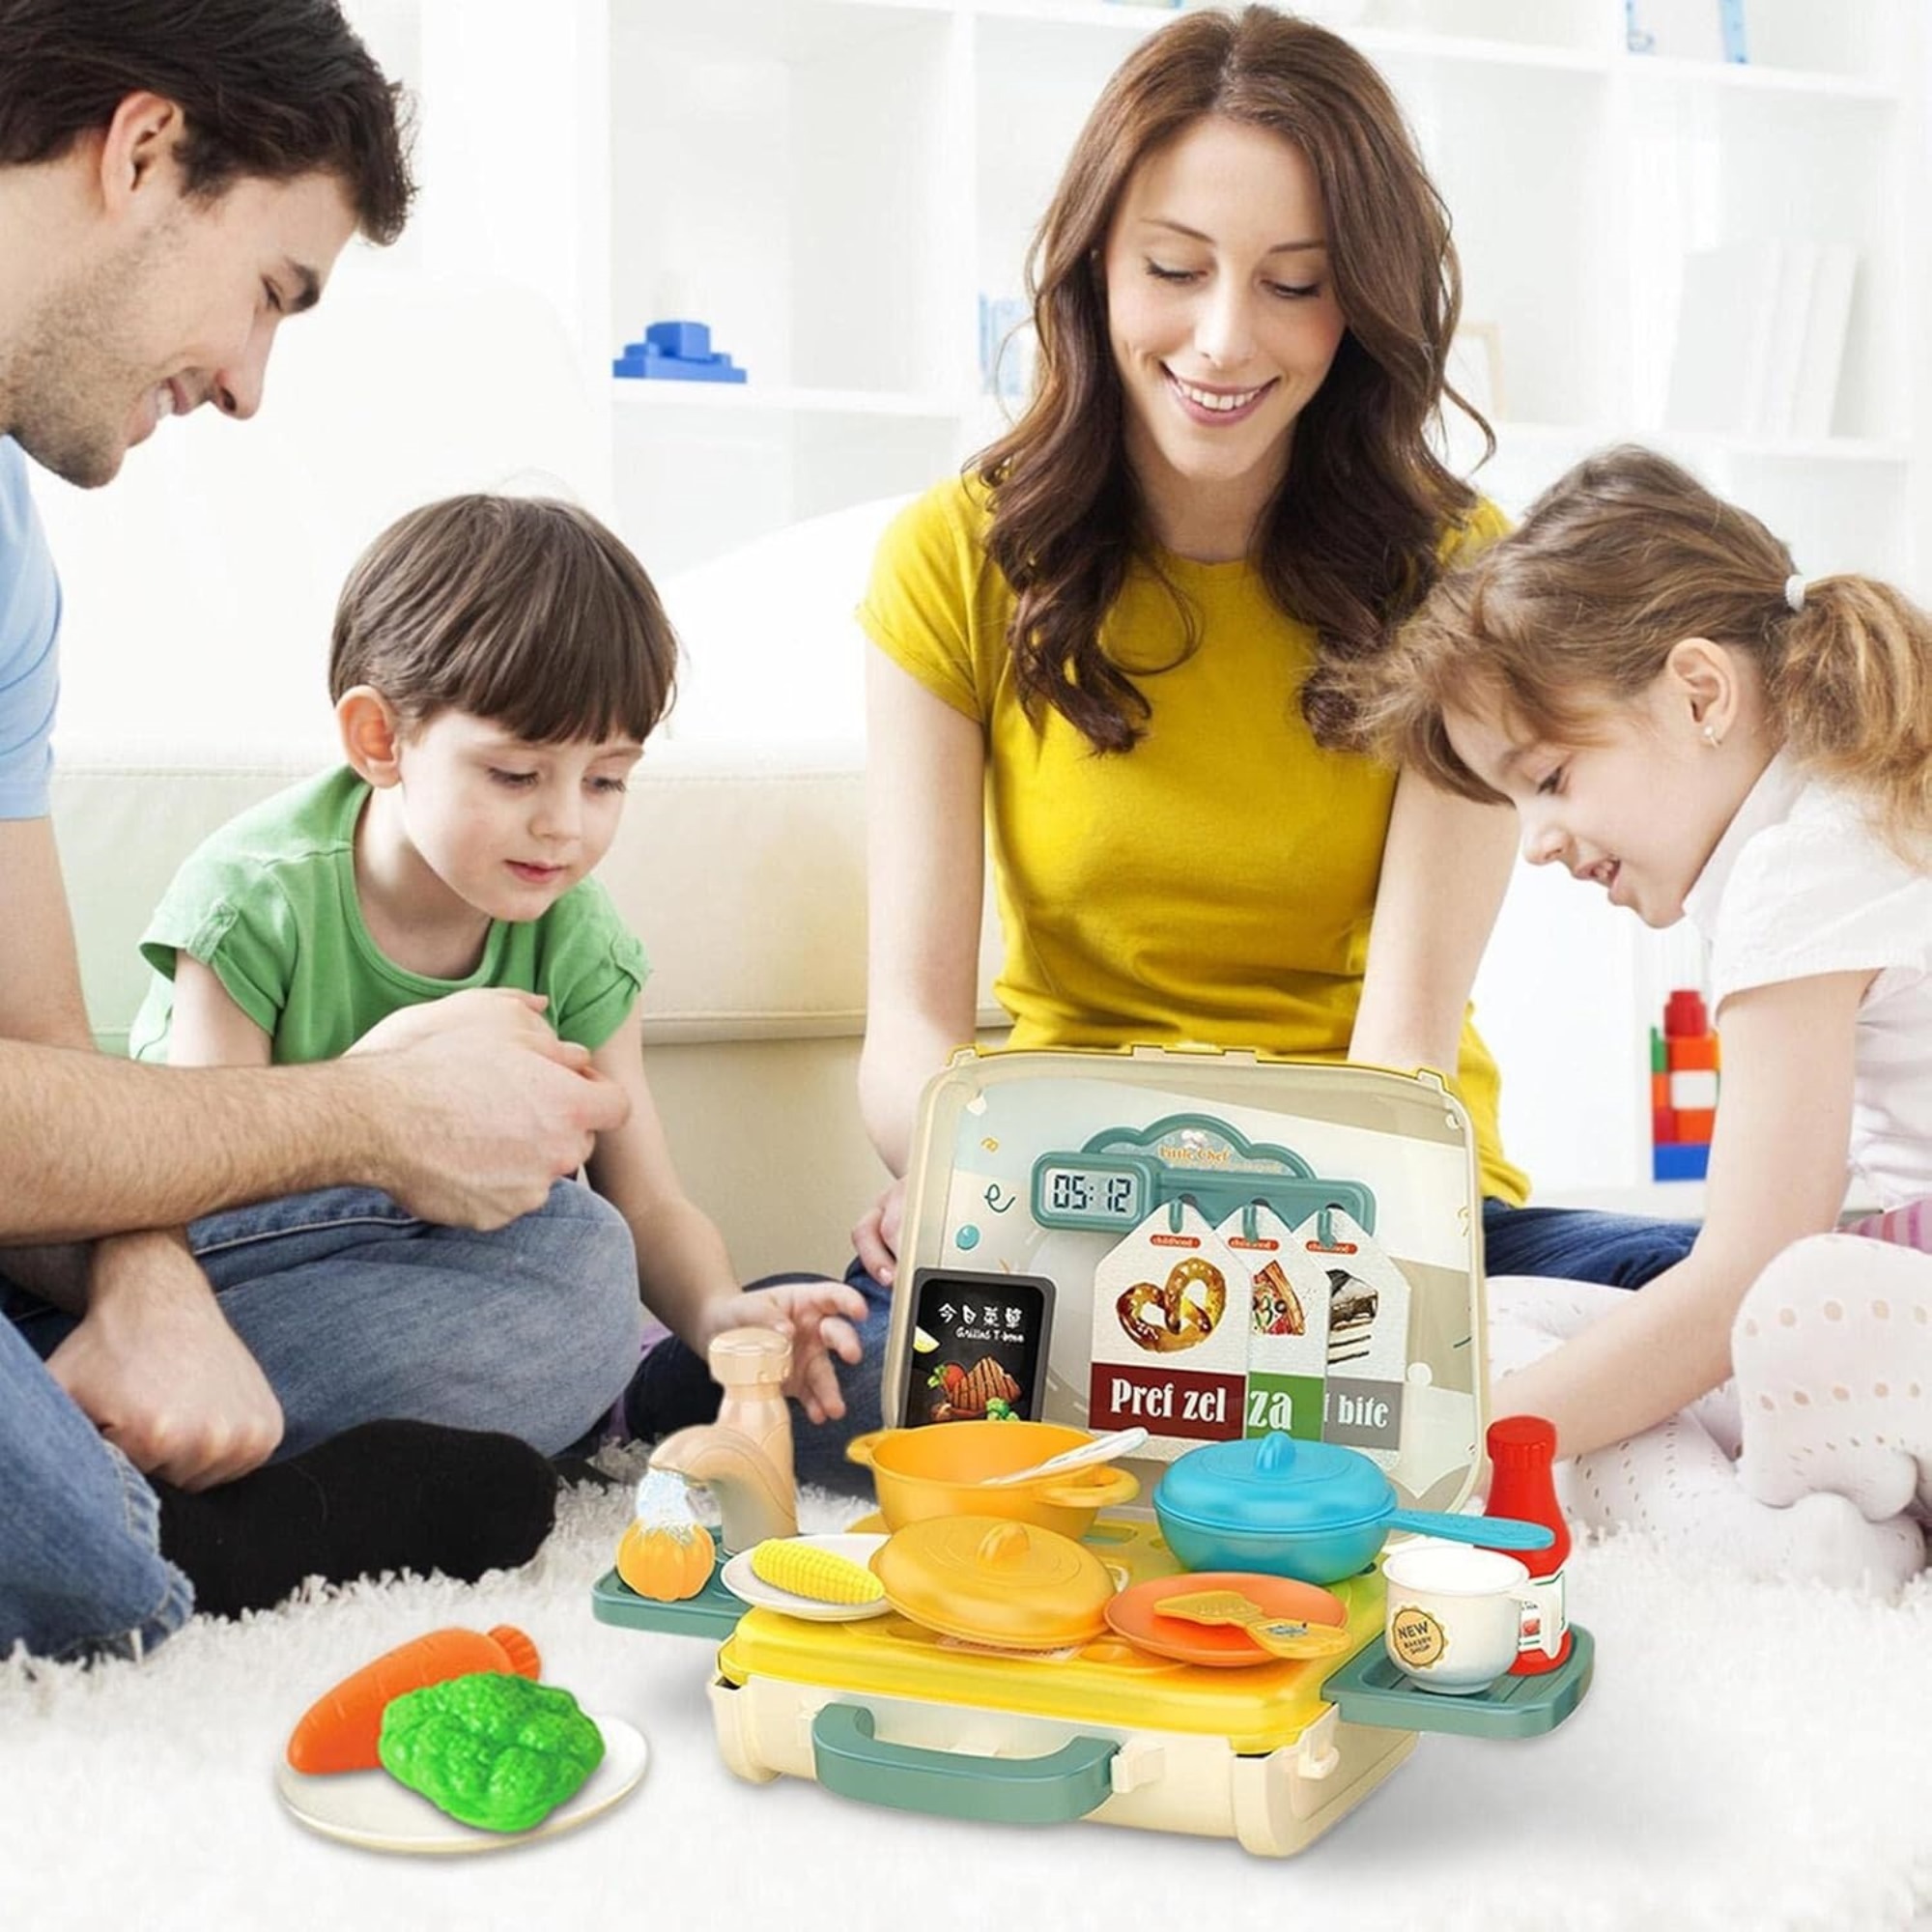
(269, 905)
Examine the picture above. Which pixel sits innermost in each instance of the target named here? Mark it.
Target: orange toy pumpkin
(668, 1561)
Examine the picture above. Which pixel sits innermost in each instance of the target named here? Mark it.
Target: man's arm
(468, 1126)
(91, 1146)
(153, 1362)
(42, 1003)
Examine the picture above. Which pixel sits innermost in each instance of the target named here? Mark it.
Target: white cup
(1455, 1614)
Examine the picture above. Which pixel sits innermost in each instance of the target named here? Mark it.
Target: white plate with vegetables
(371, 1809)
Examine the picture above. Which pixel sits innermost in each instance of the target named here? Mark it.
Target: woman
(1117, 637)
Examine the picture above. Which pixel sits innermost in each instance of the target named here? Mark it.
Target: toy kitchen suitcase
(1045, 1193)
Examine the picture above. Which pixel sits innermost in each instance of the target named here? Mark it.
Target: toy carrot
(338, 1731)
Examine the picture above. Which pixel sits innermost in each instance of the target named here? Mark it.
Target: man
(177, 178)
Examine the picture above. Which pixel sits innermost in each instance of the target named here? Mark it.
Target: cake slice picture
(1351, 1314)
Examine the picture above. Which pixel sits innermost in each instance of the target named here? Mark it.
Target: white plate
(371, 1809)
(737, 1577)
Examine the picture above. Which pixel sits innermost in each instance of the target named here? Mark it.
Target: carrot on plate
(338, 1731)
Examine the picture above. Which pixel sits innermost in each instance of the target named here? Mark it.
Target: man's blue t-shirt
(30, 608)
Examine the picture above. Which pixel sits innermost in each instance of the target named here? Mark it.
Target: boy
(496, 665)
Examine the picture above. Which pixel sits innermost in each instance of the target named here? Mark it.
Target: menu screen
(979, 1347)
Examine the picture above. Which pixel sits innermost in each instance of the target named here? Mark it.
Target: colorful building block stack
(1683, 1088)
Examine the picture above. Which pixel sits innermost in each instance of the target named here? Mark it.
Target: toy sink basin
(1313, 1511)
(940, 1469)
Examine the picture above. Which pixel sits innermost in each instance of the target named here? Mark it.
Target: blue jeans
(673, 1388)
(354, 1310)
(1580, 1244)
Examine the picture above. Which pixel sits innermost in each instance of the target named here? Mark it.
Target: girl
(496, 666)
(1118, 641)
(1684, 722)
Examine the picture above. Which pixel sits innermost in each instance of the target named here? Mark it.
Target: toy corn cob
(806, 1571)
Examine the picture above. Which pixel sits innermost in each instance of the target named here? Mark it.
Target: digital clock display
(1089, 1190)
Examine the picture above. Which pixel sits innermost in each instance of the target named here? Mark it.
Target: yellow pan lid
(991, 1579)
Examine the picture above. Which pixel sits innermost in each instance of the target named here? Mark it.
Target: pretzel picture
(1187, 1309)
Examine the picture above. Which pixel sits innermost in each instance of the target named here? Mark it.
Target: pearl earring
(1711, 737)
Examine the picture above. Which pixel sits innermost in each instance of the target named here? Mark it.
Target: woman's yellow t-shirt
(1214, 885)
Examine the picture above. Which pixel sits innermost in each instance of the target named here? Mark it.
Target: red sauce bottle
(1522, 1459)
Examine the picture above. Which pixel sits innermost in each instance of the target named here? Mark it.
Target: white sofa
(742, 870)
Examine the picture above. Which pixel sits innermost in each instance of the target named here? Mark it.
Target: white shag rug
(1750, 1756)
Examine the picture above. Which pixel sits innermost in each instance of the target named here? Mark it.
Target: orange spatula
(1281, 1637)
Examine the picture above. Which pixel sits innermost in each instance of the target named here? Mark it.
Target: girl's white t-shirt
(1801, 884)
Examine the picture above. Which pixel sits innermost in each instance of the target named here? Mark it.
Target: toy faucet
(745, 1457)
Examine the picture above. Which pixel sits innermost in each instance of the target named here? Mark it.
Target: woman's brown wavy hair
(1350, 543)
(1617, 562)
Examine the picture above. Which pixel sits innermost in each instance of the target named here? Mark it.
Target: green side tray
(1052, 1790)
(1369, 1690)
(713, 1613)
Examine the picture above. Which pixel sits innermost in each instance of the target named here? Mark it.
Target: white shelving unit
(832, 184)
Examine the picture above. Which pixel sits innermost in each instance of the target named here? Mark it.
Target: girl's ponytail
(1850, 683)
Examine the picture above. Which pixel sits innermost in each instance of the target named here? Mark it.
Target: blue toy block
(1682, 1160)
(676, 352)
(688, 341)
(653, 367)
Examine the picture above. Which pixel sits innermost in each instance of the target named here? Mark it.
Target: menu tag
(1368, 1335)
(1170, 1334)
(1288, 1323)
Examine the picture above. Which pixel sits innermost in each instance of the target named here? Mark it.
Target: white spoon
(1103, 1449)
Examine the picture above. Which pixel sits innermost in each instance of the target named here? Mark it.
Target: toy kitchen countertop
(894, 1714)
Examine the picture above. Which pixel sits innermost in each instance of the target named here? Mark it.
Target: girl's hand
(819, 1316)
(875, 1237)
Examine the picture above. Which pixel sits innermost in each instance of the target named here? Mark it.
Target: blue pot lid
(1274, 1485)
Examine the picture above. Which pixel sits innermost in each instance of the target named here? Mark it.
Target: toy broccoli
(492, 1750)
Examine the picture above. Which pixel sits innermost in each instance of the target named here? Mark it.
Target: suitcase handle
(850, 1759)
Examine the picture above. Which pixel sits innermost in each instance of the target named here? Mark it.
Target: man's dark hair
(271, 89)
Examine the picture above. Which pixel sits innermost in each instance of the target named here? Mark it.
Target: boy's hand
(819, 1316)
(483, 1109)
(156, 1366)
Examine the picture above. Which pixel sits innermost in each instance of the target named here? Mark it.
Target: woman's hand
(875, 1237)
(819, 1317)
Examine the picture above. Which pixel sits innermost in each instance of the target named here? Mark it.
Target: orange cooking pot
(942, 1470)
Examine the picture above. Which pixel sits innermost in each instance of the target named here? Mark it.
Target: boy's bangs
(556, 637)
(601, 685)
